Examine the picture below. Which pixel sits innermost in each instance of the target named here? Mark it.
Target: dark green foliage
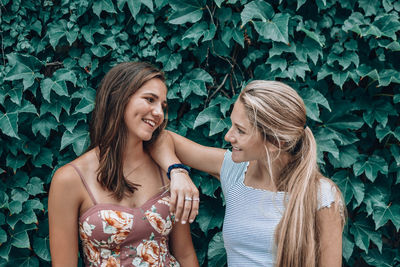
(342, 57)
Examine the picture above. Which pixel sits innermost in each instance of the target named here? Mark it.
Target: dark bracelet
(177, 166)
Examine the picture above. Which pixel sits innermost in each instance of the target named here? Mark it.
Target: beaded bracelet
(177, 166)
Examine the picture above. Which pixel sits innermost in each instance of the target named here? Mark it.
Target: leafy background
(341, 56)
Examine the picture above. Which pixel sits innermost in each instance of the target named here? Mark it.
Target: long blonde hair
(279, 113)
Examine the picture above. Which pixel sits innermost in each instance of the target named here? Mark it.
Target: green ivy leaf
(257, 10)
(376, 195)
(42, 248)
(312, 98)
(216, 251)
(47, 85)
(85, 106)
(103, 5)
(14, 207)
(25, 261)
(379, 112)
(34, 204)
(382, 214)
(369, 7)
(25, 67)
(207, 115)
(375, 258)
(194, 82)
(169, 60)
(276, 29)
(348, 246)
(8, 122)
(5, 250)
(3, 236)
(349, 186)
(209, 218)
(388, 76)
(209, 186)
(196, 32)
(45, 157)
(88, 31)
(186, 11)
(19, 195)
(44, 124)
(15, 94)
(56, 107)
(61, 28)
(15, 162)
(79, 139)
(386, 25)
(370, 167)
(364, 232)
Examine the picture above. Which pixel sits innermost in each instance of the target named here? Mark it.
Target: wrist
(177, 167)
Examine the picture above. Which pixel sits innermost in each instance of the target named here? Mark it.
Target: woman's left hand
(184, 197)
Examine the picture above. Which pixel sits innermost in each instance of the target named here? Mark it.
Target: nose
(229, 137)
(158, 111)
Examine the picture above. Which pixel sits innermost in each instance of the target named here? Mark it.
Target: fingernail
(183, 222)
(190, 221)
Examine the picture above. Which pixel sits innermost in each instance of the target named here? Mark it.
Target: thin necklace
(127, 175)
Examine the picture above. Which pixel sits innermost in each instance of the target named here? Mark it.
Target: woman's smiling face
(144, 112)
(247, 142)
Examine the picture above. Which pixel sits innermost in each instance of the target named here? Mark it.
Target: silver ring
(188, 198)
(196, 199)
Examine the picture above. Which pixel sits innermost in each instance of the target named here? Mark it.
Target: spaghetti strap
(161, 176)
(84, 183)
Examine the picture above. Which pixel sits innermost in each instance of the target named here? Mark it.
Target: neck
(262, 171)
(134, 154)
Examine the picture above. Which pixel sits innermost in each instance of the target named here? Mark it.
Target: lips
(236, 148)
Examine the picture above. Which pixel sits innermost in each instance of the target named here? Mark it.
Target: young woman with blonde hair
(280, 210)
(114, 196)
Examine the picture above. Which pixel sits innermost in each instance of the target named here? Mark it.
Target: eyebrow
(155, 96)
(239, 126)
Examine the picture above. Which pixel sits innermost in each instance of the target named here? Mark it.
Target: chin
(236, 159)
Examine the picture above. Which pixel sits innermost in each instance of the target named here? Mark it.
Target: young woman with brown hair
(115, 197)
(280, 210)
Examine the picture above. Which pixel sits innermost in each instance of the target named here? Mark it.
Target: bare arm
(165, 151)
(63, 209)
(182, 247)
(330, 226)
(207, 159)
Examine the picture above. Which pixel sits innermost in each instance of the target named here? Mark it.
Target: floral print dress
(114, 235)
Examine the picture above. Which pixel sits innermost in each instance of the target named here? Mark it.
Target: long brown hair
(108, 131)
(279, 113)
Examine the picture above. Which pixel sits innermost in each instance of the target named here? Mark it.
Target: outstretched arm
(171, 148)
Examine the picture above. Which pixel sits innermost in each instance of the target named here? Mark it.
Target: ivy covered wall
(341, 56)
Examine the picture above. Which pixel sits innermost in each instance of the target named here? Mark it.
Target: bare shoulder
(334, 207)
(67, 179)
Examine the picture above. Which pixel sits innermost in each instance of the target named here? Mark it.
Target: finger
(179, 207)
(186, 211)
(172, 203)
(195, 207)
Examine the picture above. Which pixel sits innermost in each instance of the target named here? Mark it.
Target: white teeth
(235, 148)
(152, 123)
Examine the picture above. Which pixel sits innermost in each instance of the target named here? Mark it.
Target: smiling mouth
(149, 122)
(236, 148)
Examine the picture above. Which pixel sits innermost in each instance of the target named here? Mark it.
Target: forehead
(239, 114)
(155, 87)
